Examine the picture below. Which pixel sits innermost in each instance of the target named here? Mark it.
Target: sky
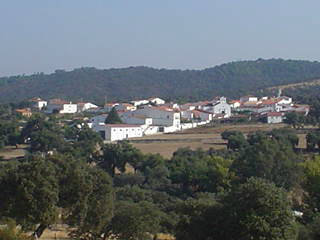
(45, 35)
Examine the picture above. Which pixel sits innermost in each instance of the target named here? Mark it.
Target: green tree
(85, 142)
(285, 136)
(9, 132)
(11, 232)
(43, 135)
(311, 182)
(116, 156)
(38, 190)
(135, 221)
(313, 140)
(198, 219)
(113, 117)
(30, 193)
(199, 172)
(258, 210)
(91, 214)
(270, 159)
(294, 119)
(236, 140)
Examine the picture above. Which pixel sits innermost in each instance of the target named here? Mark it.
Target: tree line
(233, 80)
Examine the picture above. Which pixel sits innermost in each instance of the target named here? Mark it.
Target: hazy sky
(44, 35)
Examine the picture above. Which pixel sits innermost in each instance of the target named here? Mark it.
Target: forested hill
(231, 79)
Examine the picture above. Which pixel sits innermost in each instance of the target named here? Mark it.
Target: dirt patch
(202, 137)
(13, 152)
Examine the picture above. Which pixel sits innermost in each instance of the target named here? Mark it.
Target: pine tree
(113, 117)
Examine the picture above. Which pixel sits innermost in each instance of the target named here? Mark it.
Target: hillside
(231, 79)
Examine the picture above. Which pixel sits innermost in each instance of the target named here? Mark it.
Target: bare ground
(13, 152)
(202, 137)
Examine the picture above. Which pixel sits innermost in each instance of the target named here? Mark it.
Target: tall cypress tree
(113, 117)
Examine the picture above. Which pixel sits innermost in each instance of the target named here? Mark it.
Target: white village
(156, 116)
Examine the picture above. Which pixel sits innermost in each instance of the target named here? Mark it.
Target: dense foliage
(232, 80)
(249, 190)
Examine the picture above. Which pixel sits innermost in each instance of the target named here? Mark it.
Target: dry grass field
(62, 234)
(167, 144)
(12, 152)
(202, 137)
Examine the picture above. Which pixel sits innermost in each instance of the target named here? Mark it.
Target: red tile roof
(58, 101)
(274, 114)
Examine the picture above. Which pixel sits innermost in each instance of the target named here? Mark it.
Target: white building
(199, 115)
(203, 115)
(118, 132)
(274, 117)
(219, 107)
(161, 116)
(139, 102)
(39, 103)
(284, 100)
(248, 99)
(61, 106)
(136, 119)
(86, 106)
(157, 101)
(235, 104)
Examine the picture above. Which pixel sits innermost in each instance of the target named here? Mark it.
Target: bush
(11, 232)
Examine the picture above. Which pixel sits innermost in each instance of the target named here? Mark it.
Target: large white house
(219, 106)
(118, 132)
(61, 106)
(39, 103)
(161, 116)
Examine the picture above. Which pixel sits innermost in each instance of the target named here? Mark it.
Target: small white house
(188, 114)
(86, 106)
(118, 132)
(274, 117)
(61, 106)
(248, 99)
(39, 103)
(235, 104)
(139, 102)
(157, 101)
(285, 100)
(69, 108)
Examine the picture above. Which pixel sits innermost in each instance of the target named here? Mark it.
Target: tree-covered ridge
(231, 79)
